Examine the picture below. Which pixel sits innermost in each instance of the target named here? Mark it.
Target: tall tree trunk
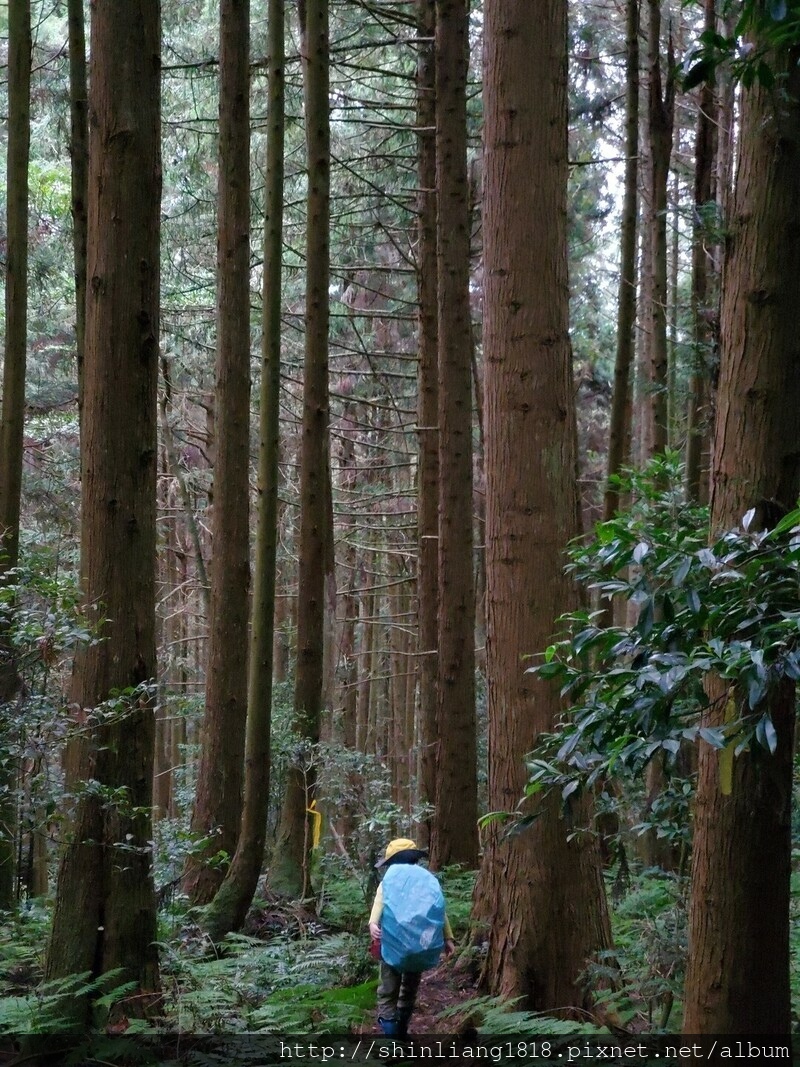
(544, 893)
(218, 804)
(105, 915)
(428, 402)
(79, 167)
(738, 973)
(229, 907)
(290, 871)
(726, 135)
(699, 422)
(660, 115)
(174, 467)
(13, 411)
(660, 110)
(344, 726)
(345, 730)
(454, 836)
(674, 424)
(36, 877)
(365, 667)
(620, 428)
(400, 717)
(283, 615)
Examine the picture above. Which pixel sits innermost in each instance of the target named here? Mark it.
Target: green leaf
(546, 670)
(756, 689)
(569, 789)
(766, 734)
(766, 75)
(700, 72)
(713, 735)
(644, 624)
(708, 559)
(494, 816)
(716, 40)
(788, 522)
(679, 577)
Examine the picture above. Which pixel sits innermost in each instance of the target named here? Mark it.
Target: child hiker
(408, 920)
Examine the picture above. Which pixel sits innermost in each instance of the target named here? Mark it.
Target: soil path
(441, 989)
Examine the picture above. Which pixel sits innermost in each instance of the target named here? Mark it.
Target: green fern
(46, 1009)
(309, 1009)
(497, 1016)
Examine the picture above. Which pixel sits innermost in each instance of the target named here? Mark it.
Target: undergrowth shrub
(290, 986)
(494, 1015)
(641, 977)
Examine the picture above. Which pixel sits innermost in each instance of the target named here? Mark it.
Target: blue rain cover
(412, 923)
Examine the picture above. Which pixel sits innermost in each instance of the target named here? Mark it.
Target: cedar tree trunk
(543, 894)
(290, 872)
(454, 837)
(218, 803)
(105, 914)
(13, 412)
(738, 973)
(428, 422)
(229, 907)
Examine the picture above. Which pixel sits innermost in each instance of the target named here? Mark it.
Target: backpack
(412, 922)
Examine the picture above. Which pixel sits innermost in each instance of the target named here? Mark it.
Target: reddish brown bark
(290, 871)
(454, 835)
(541, 894)
(698, 440)
(620, 426)
(738, 973)
(105, 915)
(229, 907)
(660, 115)
(12, 422)
(218, 803)
(428, 422)
(79, 165)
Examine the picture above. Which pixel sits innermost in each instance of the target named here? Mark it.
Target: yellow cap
(401, 844)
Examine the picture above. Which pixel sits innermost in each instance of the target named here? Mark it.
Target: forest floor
(442, 989)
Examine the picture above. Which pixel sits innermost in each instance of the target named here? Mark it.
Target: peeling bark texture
(218, 802)
(105, 914)
(738, 974)
(541, 895)
(454, 836)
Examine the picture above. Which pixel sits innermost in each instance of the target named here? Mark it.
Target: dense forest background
(400, 422)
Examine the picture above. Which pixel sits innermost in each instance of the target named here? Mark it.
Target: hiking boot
(403, 1019)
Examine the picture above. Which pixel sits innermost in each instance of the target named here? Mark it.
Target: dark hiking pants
(397, 993)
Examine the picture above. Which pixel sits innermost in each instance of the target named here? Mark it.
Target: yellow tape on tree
(316, 820)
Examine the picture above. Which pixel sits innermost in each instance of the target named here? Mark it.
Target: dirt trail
(443, 988)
